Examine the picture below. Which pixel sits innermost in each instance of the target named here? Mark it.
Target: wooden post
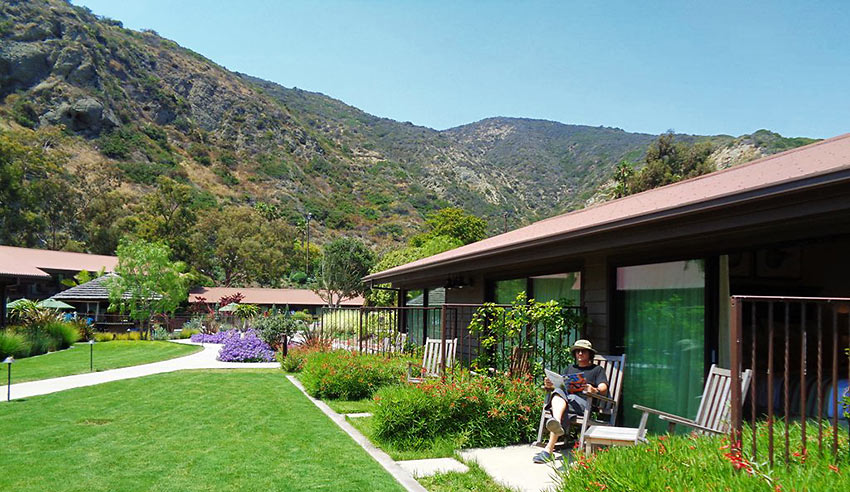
(735, 322)
(443, 341)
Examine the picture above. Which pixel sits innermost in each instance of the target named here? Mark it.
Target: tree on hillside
(37, 204)
(345, 262)
(238, 246)
(433, 246)
(147, 281)
(668, 161)
(168, 215)
(454, 223)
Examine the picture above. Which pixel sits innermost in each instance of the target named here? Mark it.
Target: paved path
(205, 359)
(512, 466)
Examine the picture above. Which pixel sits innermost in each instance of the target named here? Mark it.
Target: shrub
(293, 360)
(245, 347)
(104, 336)
(160, 333)
(276, 329)
(495, 411)
(13, 344)
(341, 321)
(63, 334)
(217, 337)
(343, 375)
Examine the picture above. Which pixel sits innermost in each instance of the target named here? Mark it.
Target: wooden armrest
(600, 397)
(689, 423)
(662, 414)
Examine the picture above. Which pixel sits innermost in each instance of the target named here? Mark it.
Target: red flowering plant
(343, 375)
(473, 411)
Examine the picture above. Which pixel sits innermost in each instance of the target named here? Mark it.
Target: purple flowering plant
(238, 346)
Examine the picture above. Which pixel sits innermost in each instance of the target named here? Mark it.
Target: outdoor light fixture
(91, 355)
(9, 361)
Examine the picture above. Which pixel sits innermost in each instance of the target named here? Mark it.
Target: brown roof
(782, 171)
(27, 262)
(295, 297)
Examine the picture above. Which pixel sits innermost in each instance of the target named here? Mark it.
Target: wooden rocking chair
(432, 359)
(714, 408)
(603, 408)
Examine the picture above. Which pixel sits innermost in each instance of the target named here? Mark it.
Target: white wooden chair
(714, 408)
(603, 408)
(432, 360)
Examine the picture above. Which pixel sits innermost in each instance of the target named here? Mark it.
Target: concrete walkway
(205, 359)
(512, 467)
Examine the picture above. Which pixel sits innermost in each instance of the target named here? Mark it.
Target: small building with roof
(284, 299)
(38, 273)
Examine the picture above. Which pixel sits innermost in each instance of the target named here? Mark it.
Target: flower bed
(239, 346)
(478, 411)
(343, 375)
(707, 463)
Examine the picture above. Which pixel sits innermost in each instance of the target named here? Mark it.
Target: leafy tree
(82, 277)
(622, 176)
(432, 246)
(277, 328)
(668, 161)
(147, 281)
(453, 223)
(32, 189)
(238, 246)
(345, 262)
(168, 215)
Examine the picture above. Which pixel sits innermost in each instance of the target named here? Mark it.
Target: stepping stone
(426, 468)
(358, 415)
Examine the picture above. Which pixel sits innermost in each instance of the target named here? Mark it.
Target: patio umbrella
(55, 304)
(229, 308)
(14, 303)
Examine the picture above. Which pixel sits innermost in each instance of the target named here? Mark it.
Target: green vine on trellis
(527, 324)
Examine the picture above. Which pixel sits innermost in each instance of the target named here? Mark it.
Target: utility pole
(308, 218)
(505, 215)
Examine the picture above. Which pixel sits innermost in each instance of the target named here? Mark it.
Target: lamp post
(9, 361)
(308, 218)
(91, 355)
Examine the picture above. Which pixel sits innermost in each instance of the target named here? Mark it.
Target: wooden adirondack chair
(713, 413)
(431, 360)
(603, 408)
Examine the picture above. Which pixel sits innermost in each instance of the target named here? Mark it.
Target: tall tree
(345, 262)
(454, 223)
(147, 282)
(668, 161)
(168, 215)
(238, 246)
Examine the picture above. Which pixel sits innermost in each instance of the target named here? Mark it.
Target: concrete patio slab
(426, 468)
(512, 466)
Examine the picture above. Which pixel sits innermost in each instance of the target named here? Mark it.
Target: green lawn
(107, 355)
(351, 406)
(189, 431)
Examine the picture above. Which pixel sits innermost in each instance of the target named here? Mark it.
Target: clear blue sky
(696, 67)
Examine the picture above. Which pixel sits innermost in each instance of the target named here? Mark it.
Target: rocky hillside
(135, 106)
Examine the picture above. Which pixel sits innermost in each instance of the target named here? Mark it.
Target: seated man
(570, 401)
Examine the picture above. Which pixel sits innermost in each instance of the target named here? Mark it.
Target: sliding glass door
(662, 314)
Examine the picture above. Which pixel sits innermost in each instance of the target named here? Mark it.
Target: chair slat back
(433, 355)
(613, 366)
(714, 408)
(520, 362)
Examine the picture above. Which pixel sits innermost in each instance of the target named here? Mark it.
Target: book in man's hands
(573, 383)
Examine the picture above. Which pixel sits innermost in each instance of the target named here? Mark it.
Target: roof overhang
(751, 215)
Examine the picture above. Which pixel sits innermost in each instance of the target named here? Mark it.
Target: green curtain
(506, 290)
(413, 317)
(557, 287)
(663, 313)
